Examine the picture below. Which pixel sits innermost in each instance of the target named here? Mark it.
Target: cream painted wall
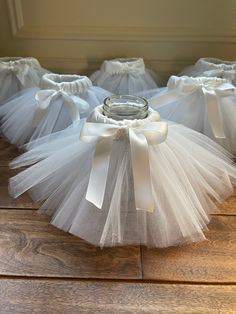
(76, 35)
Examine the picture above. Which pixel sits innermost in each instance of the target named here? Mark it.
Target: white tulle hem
(189, 173)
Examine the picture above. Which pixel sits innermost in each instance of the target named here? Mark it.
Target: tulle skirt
(188, 172)
(10, 84)
(18, 125)
(125, 83)
(191, 111)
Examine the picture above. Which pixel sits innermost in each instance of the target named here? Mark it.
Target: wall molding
(140, 34)
(15, 16)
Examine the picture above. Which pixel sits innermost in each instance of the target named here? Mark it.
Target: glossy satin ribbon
(116, 67)
(45, 97)
(139, 139)
(136, 66)
(212, 97)
(18, 69)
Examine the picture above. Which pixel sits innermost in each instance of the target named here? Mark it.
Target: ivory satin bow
(116, 67)
(119, 67)
(19, 70)
(45, 97)
(139, 139)
(128, 68)
(212, 97)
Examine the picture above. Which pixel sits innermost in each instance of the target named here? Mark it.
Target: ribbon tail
(43, 99)
(82, 106)
(214, 114)
(141, 172)
(21, 75)
(38, 115)
(72, 108)
(99, 172)
(21, 78)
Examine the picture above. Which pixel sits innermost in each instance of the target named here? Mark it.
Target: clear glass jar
(125, 107)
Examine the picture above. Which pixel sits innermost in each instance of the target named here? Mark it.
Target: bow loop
(139, 140)
(124, 66)
(44, 99)
(19, 70)
(93, 132)
(212, 100)
(225, 89)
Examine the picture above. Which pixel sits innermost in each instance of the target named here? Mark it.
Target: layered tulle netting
(125, 76)
(18, 73)
(189, 172)
(36, 112)
(143, 181)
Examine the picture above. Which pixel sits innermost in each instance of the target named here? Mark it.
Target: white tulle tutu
(18, 73)
(212, 67)
(188, 171)
(207, 105)
(124, 76)
(62, 100)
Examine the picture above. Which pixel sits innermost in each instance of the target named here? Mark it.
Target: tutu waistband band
(217, 68)
(217, 64)
(124, 65)
(185, 83)
(71, 84)
(97, 116)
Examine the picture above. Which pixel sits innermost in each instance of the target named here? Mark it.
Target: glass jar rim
(128, 107)
(142, 101)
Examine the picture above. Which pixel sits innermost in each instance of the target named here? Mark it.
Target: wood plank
(30, 246)
(207, 261)
(6, 201)
(228, 207)
(7, 152)
(60, 296)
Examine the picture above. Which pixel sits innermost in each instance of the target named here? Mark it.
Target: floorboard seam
(35, 208)
(19, 208)
(141, 260)
(164, 282)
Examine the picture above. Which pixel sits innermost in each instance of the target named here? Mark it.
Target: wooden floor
(45, 270)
